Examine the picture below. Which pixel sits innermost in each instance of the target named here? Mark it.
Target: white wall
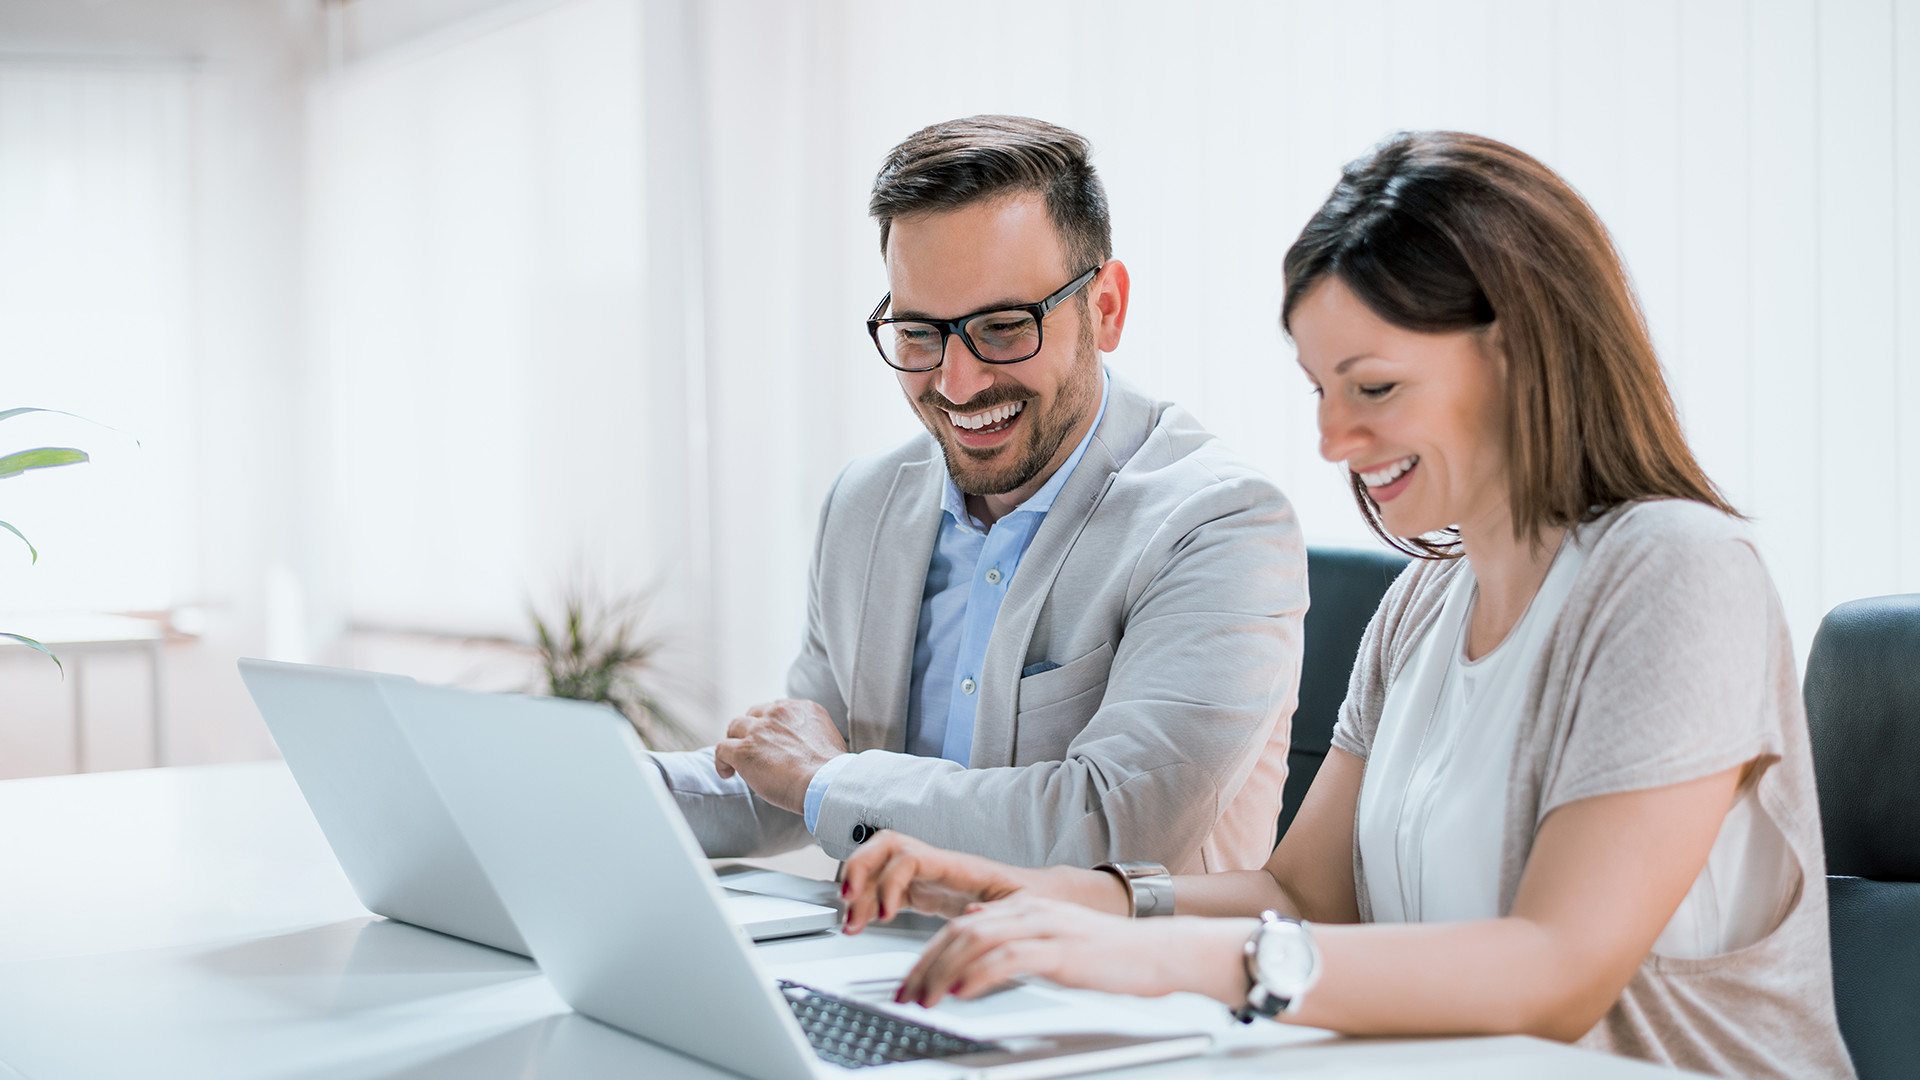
(172, 310)
(586, 277)
(1756, 162)
(1746, 155)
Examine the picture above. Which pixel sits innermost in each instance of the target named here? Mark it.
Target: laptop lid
(602, 874)
(401, 850)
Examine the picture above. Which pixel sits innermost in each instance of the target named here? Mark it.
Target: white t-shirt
(1433, 802)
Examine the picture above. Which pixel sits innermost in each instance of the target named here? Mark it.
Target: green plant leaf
(9, 414)
(23, 539)
(45, 457)
(32, 644)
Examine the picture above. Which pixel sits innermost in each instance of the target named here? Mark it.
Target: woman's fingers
(859, 873)
(952, 955)
(891, 872)
(1004, 963)
(937, 899)
(890, 887)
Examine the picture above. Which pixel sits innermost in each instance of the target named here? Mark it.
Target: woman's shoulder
(1671, 543)
(1665, 523)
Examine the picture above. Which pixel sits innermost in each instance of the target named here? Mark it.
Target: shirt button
(993, 575)
(862, 832)
(966, 686)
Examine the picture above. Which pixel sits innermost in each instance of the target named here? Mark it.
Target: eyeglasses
(1001, 336)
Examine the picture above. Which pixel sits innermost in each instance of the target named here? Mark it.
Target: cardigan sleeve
(1666, 678)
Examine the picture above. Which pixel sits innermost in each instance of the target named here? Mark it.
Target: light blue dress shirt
(967, 578)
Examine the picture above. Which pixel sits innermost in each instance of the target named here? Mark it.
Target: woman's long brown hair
(1441, 231)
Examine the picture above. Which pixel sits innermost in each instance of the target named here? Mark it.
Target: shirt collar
(954, 501)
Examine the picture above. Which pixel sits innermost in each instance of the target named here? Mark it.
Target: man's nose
(961, 374)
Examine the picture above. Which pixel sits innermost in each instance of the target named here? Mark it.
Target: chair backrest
(1863, 711)
(1345, 586)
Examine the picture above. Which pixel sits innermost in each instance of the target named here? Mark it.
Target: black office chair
(1863, 708)
(1346, 586)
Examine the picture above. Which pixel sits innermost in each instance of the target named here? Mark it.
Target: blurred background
(395, 319)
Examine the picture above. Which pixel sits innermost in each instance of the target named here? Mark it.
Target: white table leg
(157, 656)
(79, 717)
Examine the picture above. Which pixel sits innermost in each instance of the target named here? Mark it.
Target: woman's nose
(1340, 437)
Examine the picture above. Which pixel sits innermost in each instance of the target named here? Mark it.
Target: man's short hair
(962, 162)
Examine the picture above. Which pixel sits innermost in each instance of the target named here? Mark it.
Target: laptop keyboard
(854, 1036)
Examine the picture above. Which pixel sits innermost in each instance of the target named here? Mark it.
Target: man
(1065, 625)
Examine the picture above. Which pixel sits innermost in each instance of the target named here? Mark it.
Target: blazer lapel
(903, 537)
(1129, 418)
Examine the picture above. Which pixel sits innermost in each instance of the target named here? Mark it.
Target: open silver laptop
(400, 848)
(590, 854)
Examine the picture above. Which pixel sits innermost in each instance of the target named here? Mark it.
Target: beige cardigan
(1670, 661)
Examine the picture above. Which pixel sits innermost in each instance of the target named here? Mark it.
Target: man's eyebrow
(997, 305)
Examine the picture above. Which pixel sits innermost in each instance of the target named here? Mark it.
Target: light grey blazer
(1168, 583)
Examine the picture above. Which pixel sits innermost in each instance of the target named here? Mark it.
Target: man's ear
(1107, 302)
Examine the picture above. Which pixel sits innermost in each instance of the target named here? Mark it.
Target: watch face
(1284, 957)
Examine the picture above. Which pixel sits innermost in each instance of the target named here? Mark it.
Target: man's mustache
(985, 399)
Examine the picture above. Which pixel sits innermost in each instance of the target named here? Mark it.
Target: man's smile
(986, 418)
(983, 432)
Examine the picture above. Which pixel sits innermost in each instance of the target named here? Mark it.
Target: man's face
(1004, 428)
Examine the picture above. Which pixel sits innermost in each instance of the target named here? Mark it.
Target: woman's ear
(1492, 345)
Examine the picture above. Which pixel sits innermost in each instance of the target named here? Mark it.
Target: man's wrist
(817, 788)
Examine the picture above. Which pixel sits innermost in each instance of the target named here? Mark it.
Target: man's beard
(1077, 398)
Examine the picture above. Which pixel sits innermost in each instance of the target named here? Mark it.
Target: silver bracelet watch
(1149, 887)
(1282, 964)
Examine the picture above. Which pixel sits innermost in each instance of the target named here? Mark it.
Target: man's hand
(777, 747)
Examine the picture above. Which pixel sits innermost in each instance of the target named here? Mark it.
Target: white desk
(73, 636)
(192, 922)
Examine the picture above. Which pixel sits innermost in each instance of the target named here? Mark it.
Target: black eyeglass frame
(950, 327)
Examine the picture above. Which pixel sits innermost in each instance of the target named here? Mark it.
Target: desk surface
(193, 922)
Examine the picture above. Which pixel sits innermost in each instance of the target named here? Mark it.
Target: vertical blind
(501, 402)
(96, 317)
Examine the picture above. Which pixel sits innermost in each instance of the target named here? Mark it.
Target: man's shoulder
(1179, 460)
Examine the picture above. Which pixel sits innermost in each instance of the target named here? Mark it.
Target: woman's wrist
(1208, 957)
(1094, 889)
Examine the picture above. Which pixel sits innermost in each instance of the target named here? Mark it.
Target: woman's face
(1421, 418)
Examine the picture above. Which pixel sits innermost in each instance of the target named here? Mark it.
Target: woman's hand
(1073, 946)
(892, 872)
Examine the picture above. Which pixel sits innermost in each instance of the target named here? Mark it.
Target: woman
(1570, 792)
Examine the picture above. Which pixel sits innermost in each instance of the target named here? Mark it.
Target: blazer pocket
(1069, 680)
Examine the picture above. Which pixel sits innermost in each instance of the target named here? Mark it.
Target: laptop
(399, 847)
(592, 857)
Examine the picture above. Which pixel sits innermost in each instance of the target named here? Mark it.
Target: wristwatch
(1283, 963)
(1149, 887)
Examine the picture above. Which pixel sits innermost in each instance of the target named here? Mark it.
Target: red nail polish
(844, 886)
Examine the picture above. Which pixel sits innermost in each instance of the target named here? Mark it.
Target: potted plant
(592, 651)
(24, 461)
